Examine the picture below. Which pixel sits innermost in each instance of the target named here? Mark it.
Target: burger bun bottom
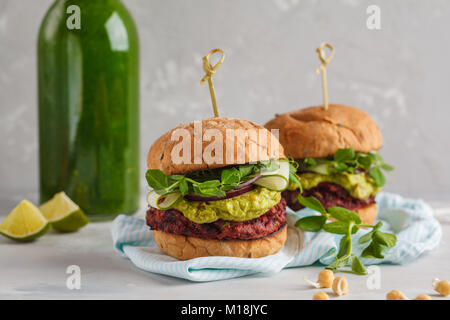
(368, 214)
(185, 248)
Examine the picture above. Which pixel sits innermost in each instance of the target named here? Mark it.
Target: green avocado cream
(248, 206)
(359, 185)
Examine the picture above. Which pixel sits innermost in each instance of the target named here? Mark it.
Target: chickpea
(324, 280)
(423, 297)
(443, 287)
(340, 286)
(321, 296)
(396, 295)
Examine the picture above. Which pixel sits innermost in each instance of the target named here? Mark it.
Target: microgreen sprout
(347, 160)
(209, 182)
(346, 223)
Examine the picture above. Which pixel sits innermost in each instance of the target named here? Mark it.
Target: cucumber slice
(321, 168)
(283, 170)
(171, 199)
(274, 183)
(277, 180)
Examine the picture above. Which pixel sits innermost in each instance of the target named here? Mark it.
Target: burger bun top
(315, 132)
(165, 153)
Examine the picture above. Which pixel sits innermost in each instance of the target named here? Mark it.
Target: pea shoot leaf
(157, 179)
(246, 170)
(338, 263)
(387, 167)
(293, 176)
(366, 238)
(386, 239)
(357, 266)
(345, 246)
(230, 176)
(184, 187)
(364, 161)
(339, 227)
(312, 203)
(373, 250)
(312, 223)
(341, 166)
(376, 174)
(343, 214)
(310, 162)
(344, 155)
(208, 188)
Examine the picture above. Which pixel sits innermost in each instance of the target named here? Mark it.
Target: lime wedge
(64, 214)
(24, 223)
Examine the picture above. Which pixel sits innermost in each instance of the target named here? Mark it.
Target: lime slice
(24, 223)
(64, 214)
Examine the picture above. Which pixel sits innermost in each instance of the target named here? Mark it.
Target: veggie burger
(215, 190)
(336, 155)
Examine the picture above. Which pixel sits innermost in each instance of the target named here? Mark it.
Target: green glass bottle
(88, 78)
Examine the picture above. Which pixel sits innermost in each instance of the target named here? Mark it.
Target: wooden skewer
(322, 68)
(210, 70)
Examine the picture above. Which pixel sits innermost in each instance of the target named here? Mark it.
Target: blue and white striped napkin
(411, 220)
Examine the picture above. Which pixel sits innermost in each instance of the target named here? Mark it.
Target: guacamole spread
(359, 185)
(247, 206)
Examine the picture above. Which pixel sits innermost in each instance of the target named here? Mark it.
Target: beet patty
(329, 194)
(173, 221)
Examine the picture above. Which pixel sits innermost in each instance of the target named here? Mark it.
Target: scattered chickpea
(326, 278)
(340, 286)
(443, 287)
(423, 297)
(396, 295)
(321, 296)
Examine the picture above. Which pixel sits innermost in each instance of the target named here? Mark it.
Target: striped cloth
(411, 220)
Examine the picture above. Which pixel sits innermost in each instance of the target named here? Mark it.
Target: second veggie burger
(336, 154)
(216, 190)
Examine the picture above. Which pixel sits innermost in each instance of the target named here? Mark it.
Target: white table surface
(38, 271)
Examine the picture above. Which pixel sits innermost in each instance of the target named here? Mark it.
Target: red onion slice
(251, 181)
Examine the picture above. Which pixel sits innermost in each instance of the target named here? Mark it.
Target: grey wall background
(398, 74)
